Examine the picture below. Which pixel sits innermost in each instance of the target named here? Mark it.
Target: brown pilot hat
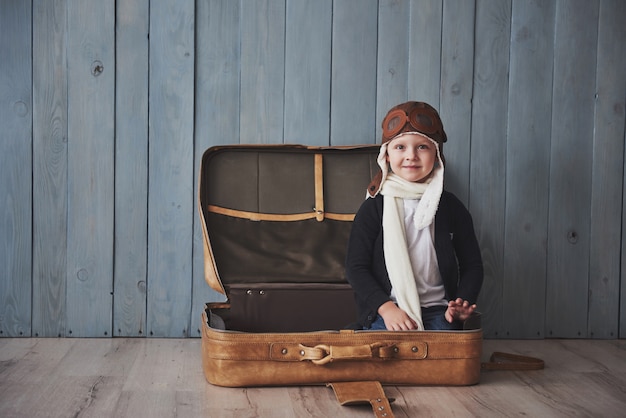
(407, 117)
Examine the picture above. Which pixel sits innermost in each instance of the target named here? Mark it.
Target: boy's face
(412, 157)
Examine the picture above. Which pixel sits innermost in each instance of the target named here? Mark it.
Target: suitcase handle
(323, 354)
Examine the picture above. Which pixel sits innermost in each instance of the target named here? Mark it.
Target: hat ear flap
(374, 185)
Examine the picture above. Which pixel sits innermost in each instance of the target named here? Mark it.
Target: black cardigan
(458, 255)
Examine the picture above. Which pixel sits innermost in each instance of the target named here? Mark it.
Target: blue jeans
(433, 319)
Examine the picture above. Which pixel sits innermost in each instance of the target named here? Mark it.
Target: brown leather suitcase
(275, 221)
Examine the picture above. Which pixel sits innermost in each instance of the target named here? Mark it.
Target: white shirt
(423, 259)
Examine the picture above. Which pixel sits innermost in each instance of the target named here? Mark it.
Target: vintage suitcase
(275, 222)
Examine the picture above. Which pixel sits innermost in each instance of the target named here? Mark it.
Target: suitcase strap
(323, 354)
(317, 212)
(357, 393)
(509, 361)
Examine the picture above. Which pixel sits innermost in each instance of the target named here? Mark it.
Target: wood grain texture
(393, 56)
(307, 71)
(262, 60)
(528, 170)
(457, 69)
(131, 168)
(91, 130)
(16, 169)
(571, 168)
(608, 159)
(216, 118)
(353, 94)
(50, 167)
(488, 149)
(425, 51)
(171, 191)
(129, 377)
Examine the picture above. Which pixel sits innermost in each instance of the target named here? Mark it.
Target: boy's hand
(395, 318)
(459, 309)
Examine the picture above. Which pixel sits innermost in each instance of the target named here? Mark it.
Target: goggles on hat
(420, 119)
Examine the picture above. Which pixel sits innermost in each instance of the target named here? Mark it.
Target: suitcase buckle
(331, 353)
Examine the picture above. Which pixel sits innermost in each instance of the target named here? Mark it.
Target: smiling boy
(413, 258)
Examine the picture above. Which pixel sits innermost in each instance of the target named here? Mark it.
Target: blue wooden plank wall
(108, 106)
(50, 181)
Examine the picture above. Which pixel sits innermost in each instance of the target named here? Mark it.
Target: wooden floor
(163, 378)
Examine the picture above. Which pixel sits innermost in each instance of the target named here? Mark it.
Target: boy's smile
(412, 156)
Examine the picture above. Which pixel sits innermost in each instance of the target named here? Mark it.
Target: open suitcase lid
(280, 213)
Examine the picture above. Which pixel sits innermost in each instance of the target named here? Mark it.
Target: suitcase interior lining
(283, 276)
(260, 251)
(284, 307)
(271, 181)
(277, 181)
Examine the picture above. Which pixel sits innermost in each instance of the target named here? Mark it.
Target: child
(413, 259)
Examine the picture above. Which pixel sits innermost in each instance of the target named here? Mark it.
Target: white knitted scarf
(394, 189)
